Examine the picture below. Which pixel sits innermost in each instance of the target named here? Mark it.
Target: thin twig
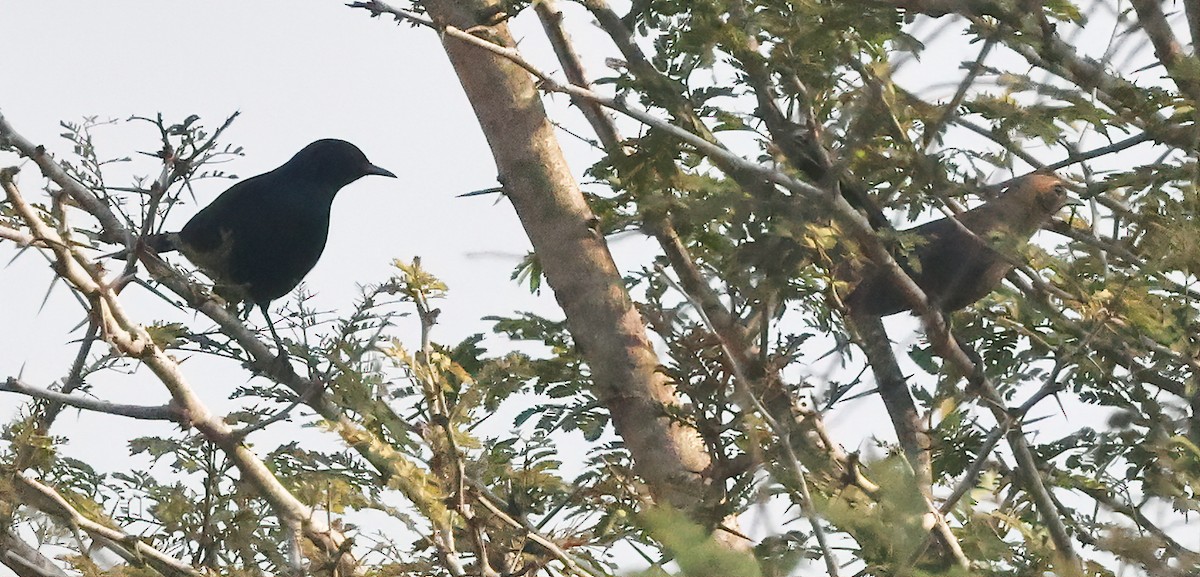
(141, 412)
(951, 109)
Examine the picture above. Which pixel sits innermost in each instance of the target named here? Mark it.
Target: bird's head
(1032, 199)
(334, 162)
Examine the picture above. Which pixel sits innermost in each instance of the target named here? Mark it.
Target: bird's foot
(282, 363)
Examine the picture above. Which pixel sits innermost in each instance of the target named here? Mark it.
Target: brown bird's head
(1030, 202)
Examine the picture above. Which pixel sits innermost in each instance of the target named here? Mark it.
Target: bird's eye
(1060, 190)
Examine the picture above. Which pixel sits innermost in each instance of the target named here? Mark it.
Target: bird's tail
(161, 242)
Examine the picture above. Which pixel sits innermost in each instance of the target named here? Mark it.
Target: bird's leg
(971, 353)
(283, 354)
(976, 360)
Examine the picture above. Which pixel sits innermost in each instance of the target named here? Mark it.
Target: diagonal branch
(129, 547)
(25, 560)
(934, 130)
(911, 431)
(1166, 47)
(576, 262)
(601, 122)
(112, 229)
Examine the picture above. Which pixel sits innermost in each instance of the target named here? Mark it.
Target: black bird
(262, 235)
(959, 260)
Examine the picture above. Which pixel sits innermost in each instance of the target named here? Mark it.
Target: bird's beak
(372, 169)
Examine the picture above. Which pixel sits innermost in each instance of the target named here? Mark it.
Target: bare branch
(23, 559)
(143, 412)
(596, 115)
(112, 229)
(19, 237)
(933, 131)
(1166, 46)
(132, 549)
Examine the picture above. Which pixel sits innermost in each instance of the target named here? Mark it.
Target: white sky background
(299, 71)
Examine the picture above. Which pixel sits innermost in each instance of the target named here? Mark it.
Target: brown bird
(953, 266)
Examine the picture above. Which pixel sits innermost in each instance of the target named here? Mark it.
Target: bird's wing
(203, 233)
(209, 238)
(944, 247)
(932, 249)
(959, 263)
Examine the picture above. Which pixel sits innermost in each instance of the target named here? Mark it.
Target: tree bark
(23, 559)
(609, 331)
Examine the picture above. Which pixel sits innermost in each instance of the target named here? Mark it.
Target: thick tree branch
(911, 431)
(574, 256)
(129, 547)
(23, 559)
(1166, 46)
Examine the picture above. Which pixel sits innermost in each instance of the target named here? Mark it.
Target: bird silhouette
(960, 259)
(260, 237)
